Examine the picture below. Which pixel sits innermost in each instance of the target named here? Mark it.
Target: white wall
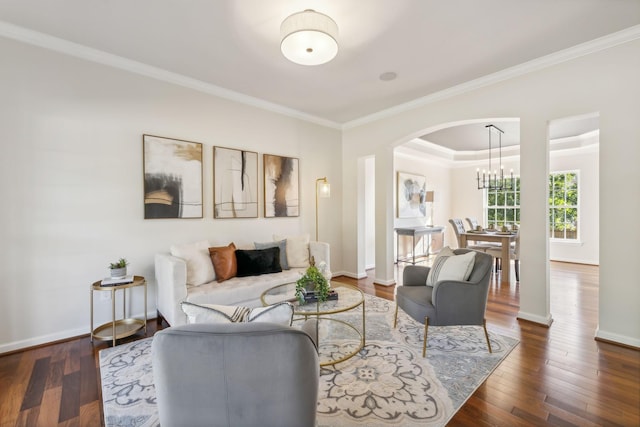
(438, 177)
(606, 82)
(370, 212)
(71, 169)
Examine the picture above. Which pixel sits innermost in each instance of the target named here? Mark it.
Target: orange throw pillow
(224, 261)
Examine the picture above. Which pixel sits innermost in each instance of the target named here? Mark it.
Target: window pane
(500, 215)
(500, 199)
(558, 219)
(510, 215)
(510, 199)
(491, 199)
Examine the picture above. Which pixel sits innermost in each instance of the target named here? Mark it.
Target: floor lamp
(323, 190)
(429, 198)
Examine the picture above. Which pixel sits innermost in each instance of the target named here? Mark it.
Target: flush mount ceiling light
(309, 38)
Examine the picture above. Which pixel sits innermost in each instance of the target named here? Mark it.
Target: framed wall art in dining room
(411, 192)
(172, 178)
(235, 183)
(281, 186)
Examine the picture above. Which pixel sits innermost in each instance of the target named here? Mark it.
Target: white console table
(414, 232)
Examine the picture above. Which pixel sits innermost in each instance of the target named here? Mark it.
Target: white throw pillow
(278, 313)
(449, 266)
(199, 266)
(297, 250)
(281, 313)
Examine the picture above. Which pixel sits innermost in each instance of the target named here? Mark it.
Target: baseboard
(610, 337)
(529, 317)
(390, 282)
(351, 275)
(58, 336)
(575, 261)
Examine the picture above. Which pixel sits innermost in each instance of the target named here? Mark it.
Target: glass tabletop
(348, 298)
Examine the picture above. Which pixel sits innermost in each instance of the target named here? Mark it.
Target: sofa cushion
(449, 266)
(224, 261)
(196, 256)
(281, 313)
(241, 290)
(282, 245)
(297, 250)
(258, 261)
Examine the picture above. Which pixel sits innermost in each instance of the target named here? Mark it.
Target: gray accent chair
(449, 302)
(238, 374)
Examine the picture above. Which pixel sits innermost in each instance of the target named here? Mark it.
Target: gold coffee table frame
(349, 298)
(124, 327)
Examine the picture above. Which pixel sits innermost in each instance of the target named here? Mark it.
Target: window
(503, 207)
(563, 205)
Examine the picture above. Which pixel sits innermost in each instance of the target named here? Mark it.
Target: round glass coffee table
(339, 338)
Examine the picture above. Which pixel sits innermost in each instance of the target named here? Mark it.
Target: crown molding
(601, 43)
(66, 47)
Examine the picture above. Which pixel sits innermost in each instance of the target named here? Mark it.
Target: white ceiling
(475, 136)
(233, 45)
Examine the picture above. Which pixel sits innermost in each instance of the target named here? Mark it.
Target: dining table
(504, 238)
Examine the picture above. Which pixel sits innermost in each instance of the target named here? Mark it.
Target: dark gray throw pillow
(254, 262)
(282, 244)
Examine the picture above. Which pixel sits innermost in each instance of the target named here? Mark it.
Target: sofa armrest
(171, 277)
(415, 275)
(320, 252)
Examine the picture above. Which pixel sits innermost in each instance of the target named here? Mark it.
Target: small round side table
(118, 328)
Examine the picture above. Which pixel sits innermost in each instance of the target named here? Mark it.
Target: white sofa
(171, 279)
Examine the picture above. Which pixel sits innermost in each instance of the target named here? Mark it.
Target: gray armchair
(449, 302)
(239, 374)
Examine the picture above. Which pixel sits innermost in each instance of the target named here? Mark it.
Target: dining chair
(473, 223)
(458, 229)
(514, 254)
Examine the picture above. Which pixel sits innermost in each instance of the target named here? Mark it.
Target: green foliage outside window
(563, 205)
(503, 207)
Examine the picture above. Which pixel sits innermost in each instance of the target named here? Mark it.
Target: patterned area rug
(388, 383)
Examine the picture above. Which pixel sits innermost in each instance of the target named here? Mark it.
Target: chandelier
(495, 182)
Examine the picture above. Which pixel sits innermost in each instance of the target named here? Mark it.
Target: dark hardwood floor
(558, 376)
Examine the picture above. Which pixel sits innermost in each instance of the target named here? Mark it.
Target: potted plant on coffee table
(312, 281)
(118, 269)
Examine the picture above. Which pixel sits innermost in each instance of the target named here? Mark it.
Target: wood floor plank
(50, 407)
(70, 400)
(88, 380)
(35, 389)
(90, 414)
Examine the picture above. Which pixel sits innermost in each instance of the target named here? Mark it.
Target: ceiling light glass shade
(309, 38)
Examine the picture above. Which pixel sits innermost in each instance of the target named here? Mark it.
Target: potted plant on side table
(118, 269)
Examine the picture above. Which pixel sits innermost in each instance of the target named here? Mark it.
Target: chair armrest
(415, 275)
(311, 328)
(171, 278)
(459, 302)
